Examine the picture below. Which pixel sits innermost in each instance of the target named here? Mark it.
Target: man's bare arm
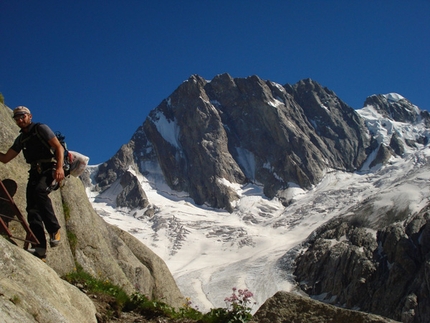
(10, 154)
(59, 156)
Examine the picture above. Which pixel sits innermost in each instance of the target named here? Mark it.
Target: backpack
(74, 162)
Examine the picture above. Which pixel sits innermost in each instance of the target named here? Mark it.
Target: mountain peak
(247, 130)
(395, 107)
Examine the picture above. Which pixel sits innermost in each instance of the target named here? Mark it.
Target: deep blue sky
(94, 69)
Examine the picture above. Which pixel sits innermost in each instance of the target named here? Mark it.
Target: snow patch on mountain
(168, 129)
(393, 97)
(246, 159)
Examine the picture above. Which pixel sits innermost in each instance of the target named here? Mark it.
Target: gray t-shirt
(44, 131)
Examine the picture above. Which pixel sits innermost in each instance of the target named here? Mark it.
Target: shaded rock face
(383, 155)
(115, 167)
(208, 135)
(289, 307)
(386, 274)
(132, 195)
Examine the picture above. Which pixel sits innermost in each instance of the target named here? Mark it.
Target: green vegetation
(1, 98)
(73, 241)
(237, 310)
(152, 308)
(66, 211)
(71, 236)
(90, 284)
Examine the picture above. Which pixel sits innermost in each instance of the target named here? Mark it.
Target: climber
(44, 176)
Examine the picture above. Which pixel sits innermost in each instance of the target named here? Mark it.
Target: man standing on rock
(44, 152)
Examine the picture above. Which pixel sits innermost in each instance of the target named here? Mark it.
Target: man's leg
(47, 213)
(34, 219)
(44, 204)
(40, 209)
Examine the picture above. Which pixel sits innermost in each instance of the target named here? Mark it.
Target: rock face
(30, 291)
(387, 274)
(289, 307)
(115, 167)
(132, 195)
(338, 125)
(102, 250)
(207, 135)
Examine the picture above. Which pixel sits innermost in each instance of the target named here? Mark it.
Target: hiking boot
(55, 238)
(38, 252)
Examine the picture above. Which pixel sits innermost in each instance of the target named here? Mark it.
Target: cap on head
(19, 110)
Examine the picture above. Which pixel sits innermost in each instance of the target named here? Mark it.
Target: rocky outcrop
(289, 307)
(30, 291)
(115, 167)
(132, 195)
(383, 155)
(397, 145)
(387, 274)
(208, 135)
